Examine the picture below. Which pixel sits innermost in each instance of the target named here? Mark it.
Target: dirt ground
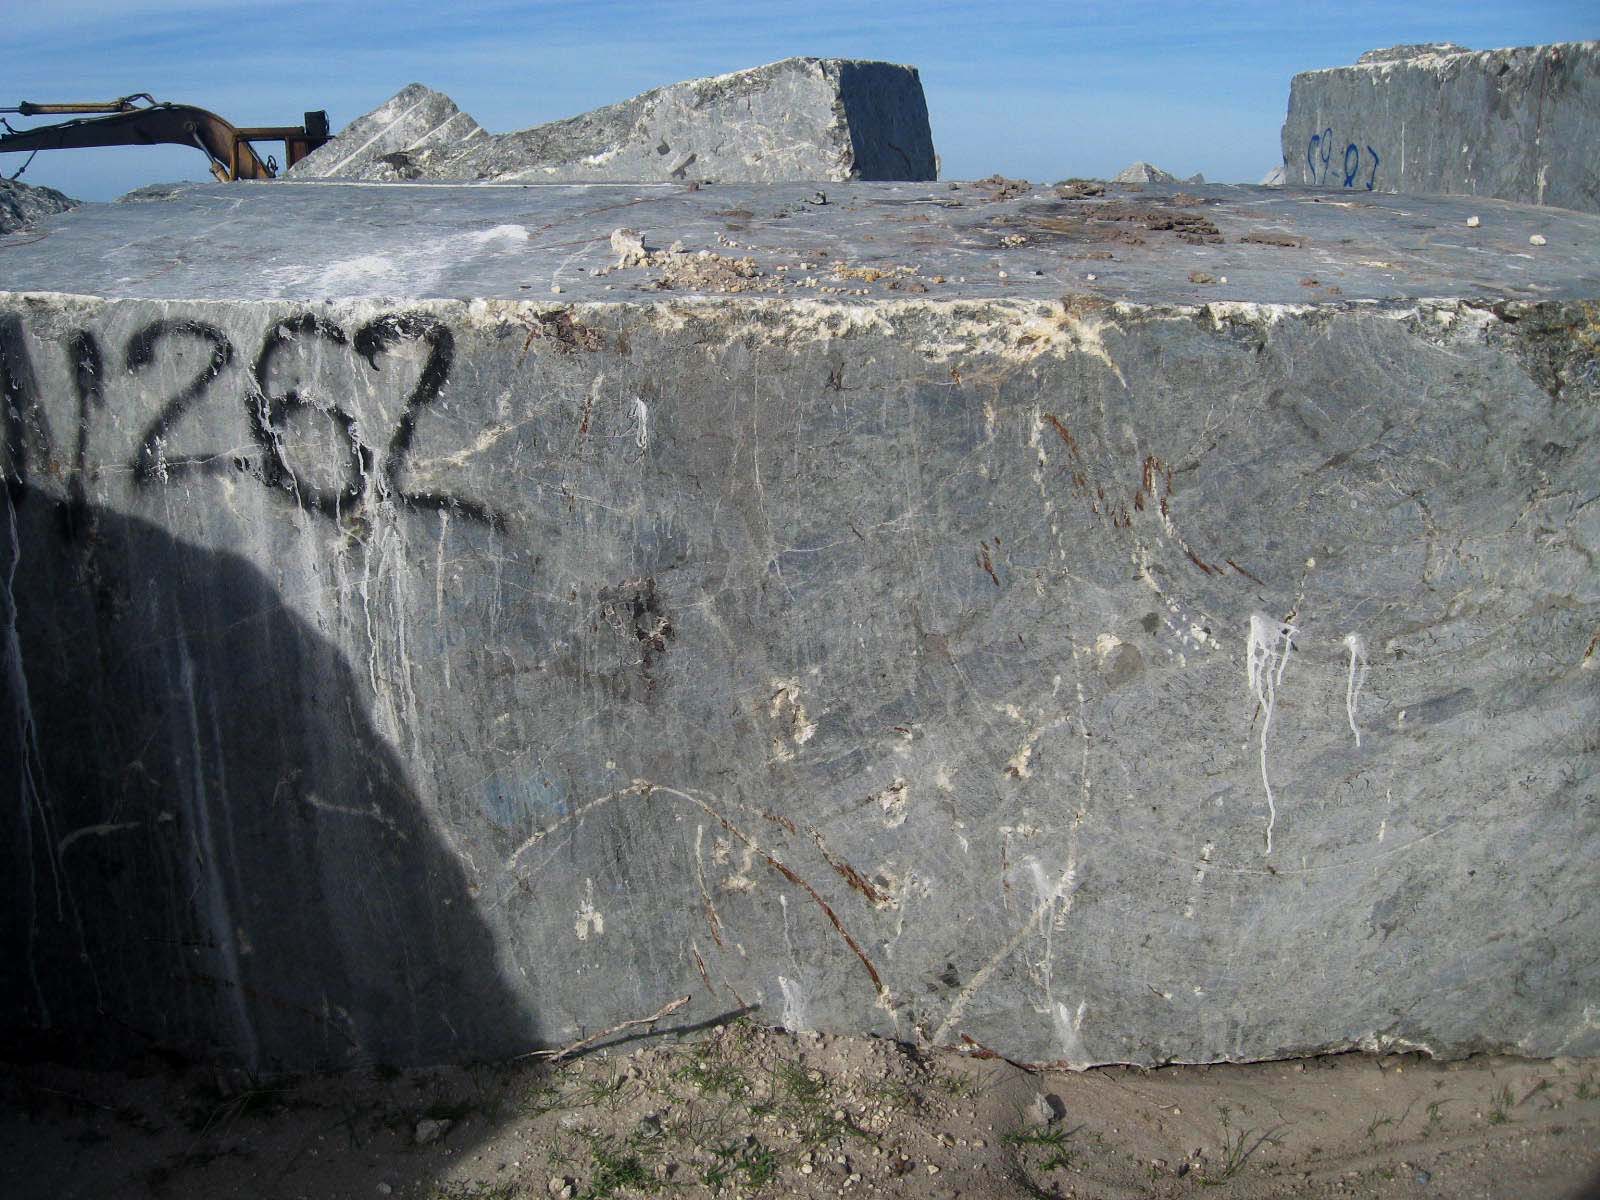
(750, 1112)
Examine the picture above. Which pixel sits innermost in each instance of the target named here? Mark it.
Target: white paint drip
(196, 795)
(365, 589)
(641, 422)
(795, 1019)
(438, 595)
(1069, 1032)
(1357, 646)
(788, 942)
(589, 920)
(27, 745)
(1266, 656)
(1057, 908)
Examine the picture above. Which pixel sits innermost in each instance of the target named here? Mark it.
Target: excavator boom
(229, 148)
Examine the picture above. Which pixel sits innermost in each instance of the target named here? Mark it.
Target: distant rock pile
(21, 204)
(801, 118)
(1143, 172)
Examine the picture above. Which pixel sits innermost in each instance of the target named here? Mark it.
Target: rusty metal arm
(228, 148)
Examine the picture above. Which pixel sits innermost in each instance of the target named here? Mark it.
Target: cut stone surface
(1518, 124)
(920, 639)
(21, 204)
(801, 118)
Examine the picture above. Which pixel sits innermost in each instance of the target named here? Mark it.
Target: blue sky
(1037, 90)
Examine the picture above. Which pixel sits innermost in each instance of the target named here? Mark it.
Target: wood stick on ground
(557, 1055)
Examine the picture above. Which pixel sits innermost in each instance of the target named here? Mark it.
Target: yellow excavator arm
(140, 120)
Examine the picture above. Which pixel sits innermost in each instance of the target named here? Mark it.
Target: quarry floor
(747, 1112)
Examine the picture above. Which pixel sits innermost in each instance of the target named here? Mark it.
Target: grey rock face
(1148, 673)
(21, 204)
(412, 135)
(802, 118)
(1518, 124)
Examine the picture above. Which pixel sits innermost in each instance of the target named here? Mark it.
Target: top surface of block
(1150, 244)
(1437, 55)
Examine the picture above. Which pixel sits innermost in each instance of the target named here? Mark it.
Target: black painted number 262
(363, 470)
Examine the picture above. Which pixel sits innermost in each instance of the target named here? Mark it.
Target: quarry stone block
(1517, 124)
(925, 614)
(801, 118)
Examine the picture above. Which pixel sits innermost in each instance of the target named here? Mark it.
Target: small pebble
(1473, 222)
(1091, 277)
(1536, 240)
(384, 1189)
(555, 287)
(430, 1130)
(933, 1168)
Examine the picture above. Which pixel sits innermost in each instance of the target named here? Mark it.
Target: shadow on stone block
(207, 848)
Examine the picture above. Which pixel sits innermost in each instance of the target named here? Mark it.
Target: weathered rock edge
(21, 204)
(880, 668)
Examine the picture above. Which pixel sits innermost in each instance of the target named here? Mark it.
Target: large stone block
(801, 118)
(1518, 124)
(1023, 641)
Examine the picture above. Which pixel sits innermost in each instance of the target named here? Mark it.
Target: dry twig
(557, 1055)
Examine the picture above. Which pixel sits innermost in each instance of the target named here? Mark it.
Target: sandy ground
(748, 1112)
